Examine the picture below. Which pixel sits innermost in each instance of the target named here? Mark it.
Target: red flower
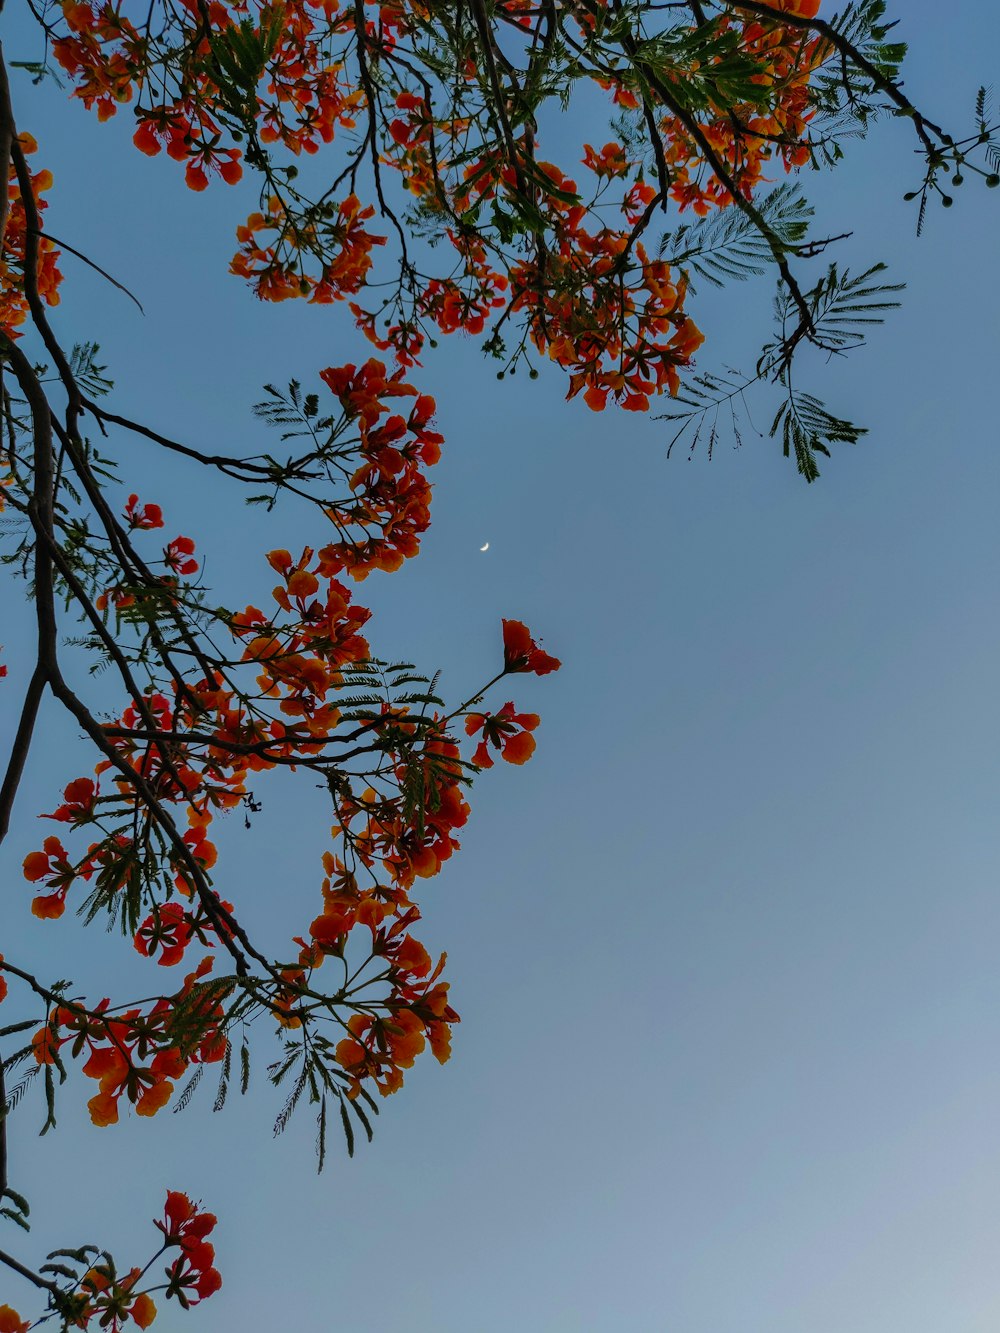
(508, 731)
(168, 929)
(79, 797)
(176, 556)
(193, 1276)
(183, 1223)
(52, 865)
(145, 139)
(522, 653)
(142, 1310)
(149, 516)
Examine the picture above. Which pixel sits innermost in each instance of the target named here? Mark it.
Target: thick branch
(21, 746)
(6, 141)
(36, 1278)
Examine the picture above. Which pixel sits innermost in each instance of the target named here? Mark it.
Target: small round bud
(946, 201)
(993, 181)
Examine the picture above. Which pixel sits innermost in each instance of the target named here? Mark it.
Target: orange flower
(11, 1321)
(519, 749)
(522, 653)
(48, 906)
(103, 1108)
(52, 865)
(439, 1037)
(111, 1068)
(405, 1036)
(154, 1098)
(411, 957)
(167, 928)
(184, 1224)
(79, 796)
(350, 1053)
(610, 161)
(145, 139)
(37, 864)
(142, 1310)
(508, 731)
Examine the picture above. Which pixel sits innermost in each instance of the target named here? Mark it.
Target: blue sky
(726, 949)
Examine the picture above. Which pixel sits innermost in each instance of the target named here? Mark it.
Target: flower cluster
(389, 508)
(187, 749)
(17, 241)
(109, 1299)
(525, 242)
(276, 269)
(102, 1297)
(192, 1276)
(450, 117)
(136, 1054)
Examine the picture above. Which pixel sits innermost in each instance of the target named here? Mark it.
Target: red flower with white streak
(177, 556)
(144, 516)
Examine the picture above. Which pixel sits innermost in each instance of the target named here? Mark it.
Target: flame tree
(431, 208)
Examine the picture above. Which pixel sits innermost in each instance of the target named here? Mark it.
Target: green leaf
(184, 1100)
(345, 1120)
(727, 245)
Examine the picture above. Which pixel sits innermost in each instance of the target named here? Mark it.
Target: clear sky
(726, 951)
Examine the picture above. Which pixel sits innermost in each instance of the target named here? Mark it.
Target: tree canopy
(402, 155)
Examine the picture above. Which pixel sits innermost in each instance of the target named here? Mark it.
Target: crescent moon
(485, 548)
